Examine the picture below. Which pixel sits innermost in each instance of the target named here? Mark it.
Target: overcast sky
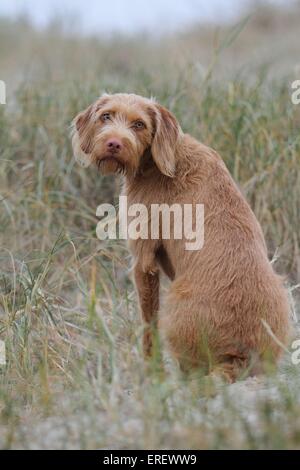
(127, 15)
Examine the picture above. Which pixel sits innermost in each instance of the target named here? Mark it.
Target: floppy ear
(82, 122)
(163, 148)
(81, 138)
(83, 132)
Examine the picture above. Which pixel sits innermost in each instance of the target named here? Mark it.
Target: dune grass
(75, 376)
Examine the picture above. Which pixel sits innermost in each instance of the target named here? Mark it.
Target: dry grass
(68, 311)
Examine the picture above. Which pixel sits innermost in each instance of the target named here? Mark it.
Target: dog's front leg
(147, 284)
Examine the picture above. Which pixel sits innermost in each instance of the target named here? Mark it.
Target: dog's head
(118, 131)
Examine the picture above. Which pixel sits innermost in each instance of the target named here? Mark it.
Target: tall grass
(68, 312)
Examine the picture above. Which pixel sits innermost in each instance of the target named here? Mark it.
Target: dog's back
(226, 297)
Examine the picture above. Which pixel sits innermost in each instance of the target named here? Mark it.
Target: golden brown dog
(221, 297)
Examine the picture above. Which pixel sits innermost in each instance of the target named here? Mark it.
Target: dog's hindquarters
(219, 337)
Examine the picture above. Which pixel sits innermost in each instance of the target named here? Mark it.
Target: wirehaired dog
(223, 300)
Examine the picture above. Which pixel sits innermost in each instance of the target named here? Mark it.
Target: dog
(226, 310)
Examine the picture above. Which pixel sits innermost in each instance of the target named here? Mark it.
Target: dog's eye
(139, 125)
(105, 117)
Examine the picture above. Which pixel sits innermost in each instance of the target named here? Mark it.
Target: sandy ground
(244, 399)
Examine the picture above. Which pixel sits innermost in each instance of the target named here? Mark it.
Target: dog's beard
(110, 165)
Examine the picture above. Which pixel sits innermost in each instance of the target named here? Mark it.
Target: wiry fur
(212, 315)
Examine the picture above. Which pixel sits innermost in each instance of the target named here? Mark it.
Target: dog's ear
(82, 124)
(81, 137)
(166, 133)
(83, 131)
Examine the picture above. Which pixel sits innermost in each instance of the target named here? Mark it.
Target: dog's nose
(114, 145)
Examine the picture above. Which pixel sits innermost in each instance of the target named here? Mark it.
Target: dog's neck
(148, 170)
